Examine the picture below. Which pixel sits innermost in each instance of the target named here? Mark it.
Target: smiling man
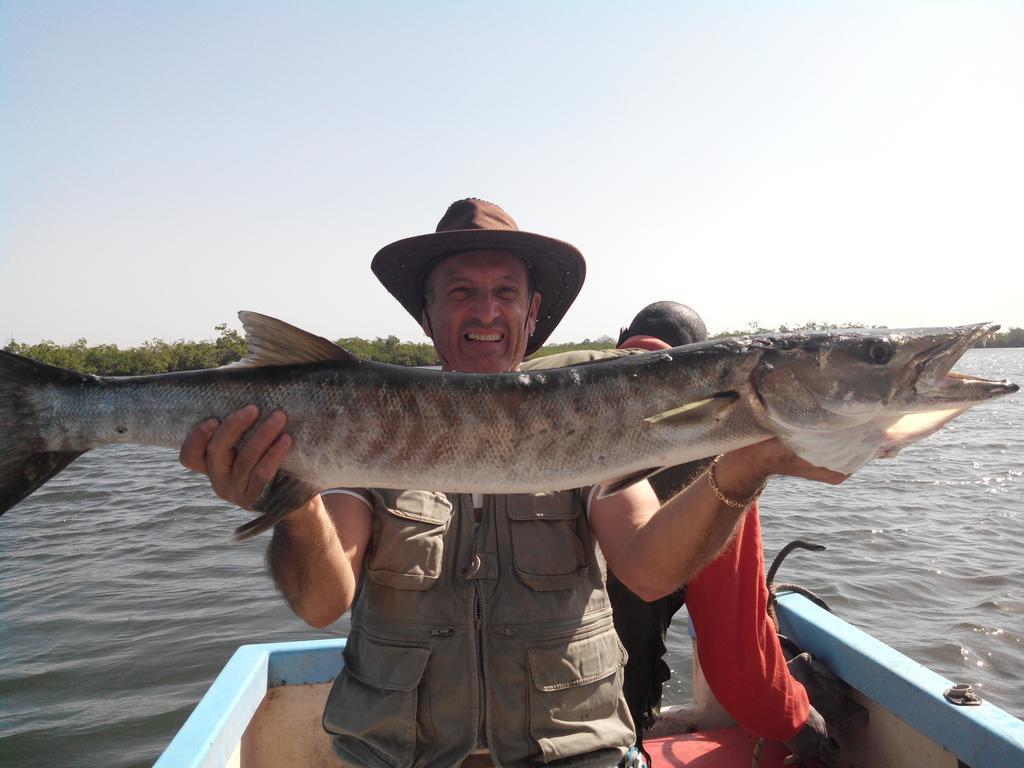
(481, 626)
(485, 321)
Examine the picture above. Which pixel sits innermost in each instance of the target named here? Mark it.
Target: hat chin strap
(430, 331)
(529, 306)
(527, 333)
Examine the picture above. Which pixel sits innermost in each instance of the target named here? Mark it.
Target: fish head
(844, 397)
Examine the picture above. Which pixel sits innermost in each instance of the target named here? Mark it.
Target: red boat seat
(720, 748)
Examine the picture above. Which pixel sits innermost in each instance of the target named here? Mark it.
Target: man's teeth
(483, 336)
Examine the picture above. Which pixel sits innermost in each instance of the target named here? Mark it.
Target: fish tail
(25, 462)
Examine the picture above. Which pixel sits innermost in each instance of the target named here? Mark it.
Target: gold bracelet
(721, 496)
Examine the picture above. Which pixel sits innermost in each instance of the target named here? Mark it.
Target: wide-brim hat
(557, 268)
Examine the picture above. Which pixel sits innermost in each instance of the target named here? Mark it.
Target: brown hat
(557, 268)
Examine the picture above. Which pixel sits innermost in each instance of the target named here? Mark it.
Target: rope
(784, 552)
(774, 589)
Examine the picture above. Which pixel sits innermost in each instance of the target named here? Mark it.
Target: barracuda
(838, 399)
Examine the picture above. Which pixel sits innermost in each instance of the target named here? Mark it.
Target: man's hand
(741, 472)
(237, 473)
(780, 460)
(317, 552)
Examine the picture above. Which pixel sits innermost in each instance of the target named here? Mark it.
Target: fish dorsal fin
(709, 407)
(274, 342)
(611, 487)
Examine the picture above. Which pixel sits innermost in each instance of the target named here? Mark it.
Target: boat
(264, 709)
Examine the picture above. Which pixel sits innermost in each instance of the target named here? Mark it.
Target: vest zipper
(478, 617)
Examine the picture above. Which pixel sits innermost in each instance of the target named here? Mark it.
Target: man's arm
(317, 551)
(654, 551)
(316, 556)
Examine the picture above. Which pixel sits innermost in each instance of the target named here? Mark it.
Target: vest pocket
(575, 699)
(408, 538)
(547, 552)
(373, 708)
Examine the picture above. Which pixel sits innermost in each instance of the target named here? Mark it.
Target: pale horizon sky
(163, 165)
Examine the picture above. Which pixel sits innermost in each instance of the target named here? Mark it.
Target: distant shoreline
(158, 356)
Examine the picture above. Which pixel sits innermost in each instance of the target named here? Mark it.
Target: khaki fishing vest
(494, 635)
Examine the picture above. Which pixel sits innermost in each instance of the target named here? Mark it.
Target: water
(121, 598)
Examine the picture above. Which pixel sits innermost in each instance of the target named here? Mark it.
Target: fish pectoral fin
(611, 487)
(285, 493)
(275, 342)
(708, 408)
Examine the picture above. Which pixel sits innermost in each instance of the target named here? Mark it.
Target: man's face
(480, 316)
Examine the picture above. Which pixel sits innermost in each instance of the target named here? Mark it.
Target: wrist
(737, 477)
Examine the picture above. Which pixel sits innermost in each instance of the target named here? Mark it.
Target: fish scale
(837, 398)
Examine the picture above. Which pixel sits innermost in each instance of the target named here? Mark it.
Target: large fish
(837, 398)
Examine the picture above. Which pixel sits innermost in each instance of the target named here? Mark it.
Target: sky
(165, 164)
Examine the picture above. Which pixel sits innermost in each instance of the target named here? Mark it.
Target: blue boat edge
(212, 733)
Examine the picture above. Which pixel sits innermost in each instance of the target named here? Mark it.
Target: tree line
(158, 356)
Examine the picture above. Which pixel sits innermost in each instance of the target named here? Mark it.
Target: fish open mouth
(941, 393)
(936, 379)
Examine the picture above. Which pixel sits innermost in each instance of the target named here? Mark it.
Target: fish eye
(879, 352)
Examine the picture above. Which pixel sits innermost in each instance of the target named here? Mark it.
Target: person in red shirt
(737, 644)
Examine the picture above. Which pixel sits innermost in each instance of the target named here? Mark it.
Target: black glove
(811, 741)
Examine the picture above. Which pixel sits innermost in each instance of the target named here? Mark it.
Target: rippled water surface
(121, 598)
